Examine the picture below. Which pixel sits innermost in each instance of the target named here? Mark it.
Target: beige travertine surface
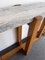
(14, 16)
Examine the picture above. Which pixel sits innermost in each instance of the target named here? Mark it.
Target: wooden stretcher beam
(12, 52)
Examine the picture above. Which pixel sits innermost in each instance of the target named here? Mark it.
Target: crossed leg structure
(32, 33)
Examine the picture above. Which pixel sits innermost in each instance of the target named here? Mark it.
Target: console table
(15, 16)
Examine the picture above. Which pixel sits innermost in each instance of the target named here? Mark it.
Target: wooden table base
(32, 33)
(31, 37)
(42, 29)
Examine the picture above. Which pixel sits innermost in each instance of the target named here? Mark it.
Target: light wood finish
(14, 51)
(33, 28)
(31, 38)
(19, 35)
(42, 29)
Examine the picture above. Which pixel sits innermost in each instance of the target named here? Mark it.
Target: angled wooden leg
(19, 34)
(42, 29)
(33, 28)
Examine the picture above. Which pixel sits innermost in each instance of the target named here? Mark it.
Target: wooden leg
(33, 28)
(42, 29)
(19, 35)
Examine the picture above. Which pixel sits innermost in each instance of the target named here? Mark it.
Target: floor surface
(37, 52)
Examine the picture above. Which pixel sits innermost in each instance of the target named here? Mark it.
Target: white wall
(8, 38)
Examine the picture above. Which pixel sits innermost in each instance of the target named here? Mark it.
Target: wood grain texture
(12, 52)
(19, 35)
(42, 29)
(33, 28)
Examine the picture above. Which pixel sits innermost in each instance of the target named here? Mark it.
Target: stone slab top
(17, 15)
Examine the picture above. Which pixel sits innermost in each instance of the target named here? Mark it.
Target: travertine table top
(14, 16)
